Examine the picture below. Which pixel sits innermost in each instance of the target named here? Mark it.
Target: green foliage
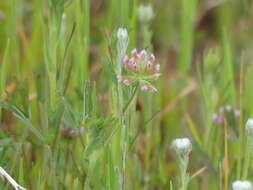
(68, 123)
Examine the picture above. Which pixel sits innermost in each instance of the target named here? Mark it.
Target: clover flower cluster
(242, 185)
(140, 68)
(69, 134)
(219, 118)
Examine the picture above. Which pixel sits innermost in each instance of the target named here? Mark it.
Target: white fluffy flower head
(122, 43)
(249, 128)
(145, 13)
(122, 34)
(182, 146)
(242, 185)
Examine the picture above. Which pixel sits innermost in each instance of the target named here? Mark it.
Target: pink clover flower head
(140, 68)
(220, 117)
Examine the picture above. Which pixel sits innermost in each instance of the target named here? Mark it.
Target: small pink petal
(143, 54)
(153, 89)
(134, 53)
(228, 108)
(237, 114)
(221, 110)
(144, 88)
(218, 119)
(125, 60)
(131, 61)
(149, 65)
(156, 76)
(157, 68)
(152, 58)
(126, 82)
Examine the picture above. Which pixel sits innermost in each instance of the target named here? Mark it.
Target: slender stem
(121, 118)
(183, 171)
(226, 163)
(247, 160)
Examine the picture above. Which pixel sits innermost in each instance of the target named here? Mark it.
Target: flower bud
(126, 82)
(122, 34)
(132, 65)
(134, 53)
(145, 13)
(156, 76)
(119, 78)
(152, 58)
(249, 128)
(144, 88)
(143, 54)
(157, 68)
(228, 108)
(242, 185)
(131, 61)
(122, 42)
(237, 114)
(182, 146)
(149, 66)
(153, 89)
(125, 60)
(218, 119)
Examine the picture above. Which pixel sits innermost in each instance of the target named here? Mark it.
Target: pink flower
(220, 117)
(144, 88)
(140, 68)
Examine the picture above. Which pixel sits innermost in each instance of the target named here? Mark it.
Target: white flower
(249, 128)
(145, 13)
(122, 34)
(182, 146)
(122, 42)
(242, 185)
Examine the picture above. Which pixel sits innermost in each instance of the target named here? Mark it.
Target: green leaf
(98, 134)
(19, 115)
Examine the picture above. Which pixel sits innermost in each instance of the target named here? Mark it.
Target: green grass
(67, 123)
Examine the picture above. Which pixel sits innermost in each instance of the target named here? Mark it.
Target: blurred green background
(58, 90)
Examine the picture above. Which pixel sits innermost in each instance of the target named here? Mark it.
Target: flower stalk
(183, 147)
(122, 44)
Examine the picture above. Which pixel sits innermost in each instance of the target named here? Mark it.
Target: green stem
(183, 172)
(247, 160)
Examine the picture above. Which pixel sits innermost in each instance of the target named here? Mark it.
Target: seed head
(242, 185)
(182, 146)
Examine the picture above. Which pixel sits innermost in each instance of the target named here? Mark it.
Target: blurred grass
(59, 98)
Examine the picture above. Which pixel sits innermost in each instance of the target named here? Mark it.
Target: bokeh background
(58, 93)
